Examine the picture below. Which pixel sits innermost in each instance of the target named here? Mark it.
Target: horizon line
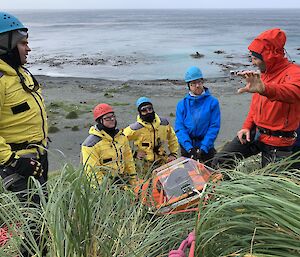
(196, 8)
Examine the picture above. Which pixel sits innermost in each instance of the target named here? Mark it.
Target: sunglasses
(147, 109)
(109, 118)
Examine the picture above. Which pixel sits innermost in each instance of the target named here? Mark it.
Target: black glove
(195, 153)
(27, 167)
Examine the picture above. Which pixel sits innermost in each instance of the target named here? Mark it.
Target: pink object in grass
(189, 242)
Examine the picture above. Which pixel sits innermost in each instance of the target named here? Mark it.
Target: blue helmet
(9, 22)
(193, 73)
(142, 100)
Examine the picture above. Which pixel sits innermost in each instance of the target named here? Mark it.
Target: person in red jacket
(274, 112)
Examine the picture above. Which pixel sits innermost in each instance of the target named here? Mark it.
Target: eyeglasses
(196, 82)
(109, 118)
(147, 109)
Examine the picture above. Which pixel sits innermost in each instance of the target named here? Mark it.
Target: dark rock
(219, 52)
(197, 55)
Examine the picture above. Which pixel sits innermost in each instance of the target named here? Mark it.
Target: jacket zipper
(154, 140)
(43, 118)
(113, 142)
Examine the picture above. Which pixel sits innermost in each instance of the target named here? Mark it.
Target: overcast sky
(145, 4)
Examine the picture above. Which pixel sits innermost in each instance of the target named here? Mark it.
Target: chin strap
(31, 88)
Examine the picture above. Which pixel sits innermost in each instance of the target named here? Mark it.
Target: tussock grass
(255, 212)
(80, 220)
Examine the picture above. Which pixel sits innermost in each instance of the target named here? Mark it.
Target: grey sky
(144, 4)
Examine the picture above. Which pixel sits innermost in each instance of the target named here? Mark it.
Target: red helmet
(101, 109)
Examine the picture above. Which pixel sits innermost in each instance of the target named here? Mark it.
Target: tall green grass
(255, 212)
(84, 221)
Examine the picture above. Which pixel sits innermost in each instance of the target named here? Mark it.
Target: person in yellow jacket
(106, 150)
(23, 119)
(153, 136)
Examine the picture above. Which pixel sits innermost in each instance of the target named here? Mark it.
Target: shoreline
(66, 95)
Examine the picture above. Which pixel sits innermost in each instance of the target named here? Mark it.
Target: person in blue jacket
(197, 119)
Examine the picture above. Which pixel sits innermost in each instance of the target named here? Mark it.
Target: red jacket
(278, 107)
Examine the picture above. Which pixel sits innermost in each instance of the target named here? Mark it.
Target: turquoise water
(148, 44)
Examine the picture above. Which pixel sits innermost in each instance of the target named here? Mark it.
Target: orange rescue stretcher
(176, 186)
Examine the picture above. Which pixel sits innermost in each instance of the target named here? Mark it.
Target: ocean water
(149, 44)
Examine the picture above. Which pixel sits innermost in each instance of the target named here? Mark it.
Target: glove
(27, 167)
(195, 153)
(171, 157)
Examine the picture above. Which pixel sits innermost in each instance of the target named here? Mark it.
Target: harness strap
(277, 133)
(25, 145)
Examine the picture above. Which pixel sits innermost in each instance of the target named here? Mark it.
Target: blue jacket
(198, 121)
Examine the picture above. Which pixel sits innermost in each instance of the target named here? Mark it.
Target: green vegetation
(255, 212)
(108, 95)
(83, 221)
(53, 129)
(125, 86)
(59, 109)
(118, 89)
(111, 90)
(120, 104)
(75, 128)
(72, 115)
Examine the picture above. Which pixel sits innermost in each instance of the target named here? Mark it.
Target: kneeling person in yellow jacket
(153, 136)
(106, 149)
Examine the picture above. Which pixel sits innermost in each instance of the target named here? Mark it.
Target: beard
(149, 117)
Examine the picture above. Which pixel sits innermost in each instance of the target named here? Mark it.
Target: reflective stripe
(30, 156)
(164, 121)
(136, 126)
(11, 179)
(91, 140)
(25, 145)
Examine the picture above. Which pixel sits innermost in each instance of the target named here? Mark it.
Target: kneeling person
(152, 135)
(107, 149)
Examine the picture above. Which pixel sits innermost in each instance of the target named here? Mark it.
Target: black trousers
(235, 151)
(20, 187)
(206, 158)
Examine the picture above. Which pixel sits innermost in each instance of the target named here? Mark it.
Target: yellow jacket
(102, 153)
(149, 136)
(23, 118)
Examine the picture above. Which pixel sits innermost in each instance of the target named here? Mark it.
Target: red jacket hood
(270, 44)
